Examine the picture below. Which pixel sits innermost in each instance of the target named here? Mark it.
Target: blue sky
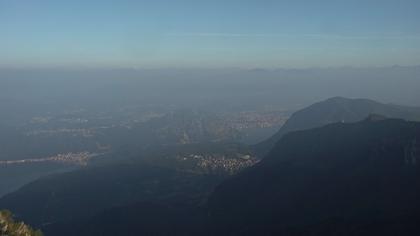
(209, 34)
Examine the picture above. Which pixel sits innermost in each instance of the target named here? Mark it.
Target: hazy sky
(176, 33)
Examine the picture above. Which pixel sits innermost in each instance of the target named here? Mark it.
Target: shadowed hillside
(345, 179)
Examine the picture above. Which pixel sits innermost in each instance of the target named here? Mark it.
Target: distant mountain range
(337, 109)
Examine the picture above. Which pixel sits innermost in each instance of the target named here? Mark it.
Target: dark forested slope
(355, 177)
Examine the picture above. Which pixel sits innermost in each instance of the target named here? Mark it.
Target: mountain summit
(338, 109)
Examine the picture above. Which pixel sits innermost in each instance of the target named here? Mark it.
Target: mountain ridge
(337, 109)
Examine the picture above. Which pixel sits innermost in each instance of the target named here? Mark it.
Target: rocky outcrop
(8, 227)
